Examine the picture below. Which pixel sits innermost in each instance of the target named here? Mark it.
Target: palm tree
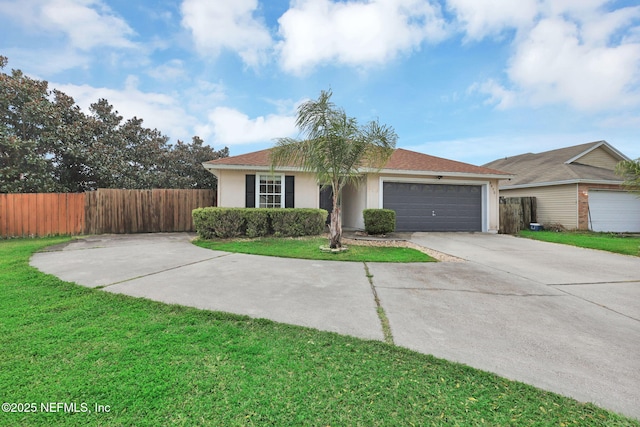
(630, 171)
(335, 147)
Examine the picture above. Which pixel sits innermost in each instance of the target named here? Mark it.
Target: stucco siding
(354, 201)
(373, 191)
(355, 198)
(555, 204)
(307, 191)
(231, 188)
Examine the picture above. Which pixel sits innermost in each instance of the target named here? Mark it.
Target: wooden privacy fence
(143, 211)
(41, 214)
(516, 213)
(101, 211)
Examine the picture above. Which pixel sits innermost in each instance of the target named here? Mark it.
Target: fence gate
(516, 213)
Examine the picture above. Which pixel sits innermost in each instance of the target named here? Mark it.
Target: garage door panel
(434, 207)
(614, 211)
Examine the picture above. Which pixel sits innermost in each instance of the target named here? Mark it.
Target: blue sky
(469, 80)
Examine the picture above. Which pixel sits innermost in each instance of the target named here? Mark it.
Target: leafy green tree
(179, 165)
(48, 144)
(25, 124)
(629, 170)
(70, 138)
(21, 170)
(336, 148)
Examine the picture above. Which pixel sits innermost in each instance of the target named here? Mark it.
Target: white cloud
(202, 94)
(156, 109)
(601, 29)
(232, 127)
(42, 62)
(498, 94)
(170, 70)
(222, 24)
(576, 9)
(87, 23)
(355, 33)
(556, 64)
(480, 19)
(575, 53)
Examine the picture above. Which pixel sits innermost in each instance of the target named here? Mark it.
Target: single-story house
(574, 186)
(428, 193)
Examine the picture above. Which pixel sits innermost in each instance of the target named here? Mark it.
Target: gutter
(553, 183)
(213, 167)
(443, 173)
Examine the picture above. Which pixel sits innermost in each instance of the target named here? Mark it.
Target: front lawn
(610, 242)
(65, 348)
(308, 248)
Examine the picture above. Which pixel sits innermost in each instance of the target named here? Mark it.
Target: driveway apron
(562, 318)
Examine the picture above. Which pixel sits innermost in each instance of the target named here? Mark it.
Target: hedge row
(223, 223)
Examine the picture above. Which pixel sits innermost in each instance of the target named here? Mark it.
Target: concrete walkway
(561, 318)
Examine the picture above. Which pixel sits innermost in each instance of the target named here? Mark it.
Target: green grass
(620, 244)
(308, 248)
(162, 365)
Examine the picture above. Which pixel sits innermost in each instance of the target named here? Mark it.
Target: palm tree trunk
(335, 227)
(335, 230)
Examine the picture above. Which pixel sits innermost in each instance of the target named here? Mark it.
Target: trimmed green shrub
(297, 222)
(258, 222)
(203, 221)
(216, 222)
(379, 221)
(219, 222)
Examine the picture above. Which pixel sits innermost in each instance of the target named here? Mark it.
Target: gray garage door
(434, 207)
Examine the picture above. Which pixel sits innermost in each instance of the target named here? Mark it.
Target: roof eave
(604, 144)
(440, 173)
(566, 182)
(252, 167)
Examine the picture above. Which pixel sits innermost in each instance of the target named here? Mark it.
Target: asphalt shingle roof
(401, 160)
(551, 167)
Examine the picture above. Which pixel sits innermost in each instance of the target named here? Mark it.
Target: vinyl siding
(599, 158)
(555, 204)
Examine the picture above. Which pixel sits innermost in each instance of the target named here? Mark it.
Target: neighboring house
(428, 193)
(574, 186)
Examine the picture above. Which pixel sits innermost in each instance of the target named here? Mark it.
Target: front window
(270, 194)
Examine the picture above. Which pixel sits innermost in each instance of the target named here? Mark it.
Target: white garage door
(616, 211)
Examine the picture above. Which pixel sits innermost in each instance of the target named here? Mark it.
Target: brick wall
(583, 201)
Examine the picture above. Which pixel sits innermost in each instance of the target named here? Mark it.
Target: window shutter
(289, 191)
(250, 191)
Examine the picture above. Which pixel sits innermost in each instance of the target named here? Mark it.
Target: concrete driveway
(561, 318)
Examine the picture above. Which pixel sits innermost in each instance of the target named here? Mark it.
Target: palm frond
(629, 170)
(334, 146)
